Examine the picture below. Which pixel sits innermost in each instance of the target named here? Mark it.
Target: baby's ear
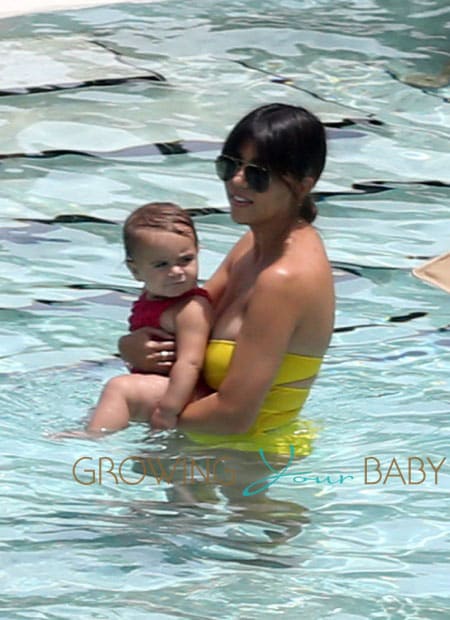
(133, 269)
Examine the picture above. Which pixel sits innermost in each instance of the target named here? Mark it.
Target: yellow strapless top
(293, 367)
(276, 427)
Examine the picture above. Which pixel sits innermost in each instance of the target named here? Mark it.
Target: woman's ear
(307, 184)
(303, 188)
(300, 189)
(133, 269)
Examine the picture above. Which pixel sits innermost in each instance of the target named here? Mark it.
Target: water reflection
(214, 484)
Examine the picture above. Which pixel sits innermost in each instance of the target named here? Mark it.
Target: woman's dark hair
(287, 139)
(160, 215)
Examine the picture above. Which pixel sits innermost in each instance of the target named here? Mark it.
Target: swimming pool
(103, 109)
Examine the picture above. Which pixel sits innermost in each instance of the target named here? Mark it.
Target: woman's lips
(239, 201)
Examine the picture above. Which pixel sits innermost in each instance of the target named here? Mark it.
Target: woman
(273, 294)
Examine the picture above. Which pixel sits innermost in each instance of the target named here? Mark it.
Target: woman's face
(251, 207)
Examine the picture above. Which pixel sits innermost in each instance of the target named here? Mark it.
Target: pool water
(106, 108)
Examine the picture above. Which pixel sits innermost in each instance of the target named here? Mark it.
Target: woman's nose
(239, 175)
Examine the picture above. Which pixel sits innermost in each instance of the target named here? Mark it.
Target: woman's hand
(150, 349)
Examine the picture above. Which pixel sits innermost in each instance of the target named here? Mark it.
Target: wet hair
(164, 216)
(287, 140)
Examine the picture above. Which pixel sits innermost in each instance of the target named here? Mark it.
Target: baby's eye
(161, 264)
(185, 260)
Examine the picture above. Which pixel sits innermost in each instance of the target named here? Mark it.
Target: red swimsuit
(147, 312)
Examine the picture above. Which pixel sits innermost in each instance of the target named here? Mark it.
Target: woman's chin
(240, 215)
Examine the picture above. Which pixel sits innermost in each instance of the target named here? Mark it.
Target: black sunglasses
(256, 177)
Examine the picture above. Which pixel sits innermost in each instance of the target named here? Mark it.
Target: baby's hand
(164, 419)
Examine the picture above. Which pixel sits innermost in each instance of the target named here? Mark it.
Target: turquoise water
(77, 155)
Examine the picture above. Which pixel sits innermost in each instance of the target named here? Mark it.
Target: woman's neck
(270, 237)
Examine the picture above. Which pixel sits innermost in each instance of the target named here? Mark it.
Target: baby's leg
(125, 398)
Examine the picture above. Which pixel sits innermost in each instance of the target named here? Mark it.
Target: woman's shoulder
(304, 257)
(302, 272)
(307, 238)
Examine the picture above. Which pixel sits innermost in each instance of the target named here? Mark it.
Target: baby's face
(166, 262)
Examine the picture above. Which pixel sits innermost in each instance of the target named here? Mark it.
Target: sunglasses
(256, 177)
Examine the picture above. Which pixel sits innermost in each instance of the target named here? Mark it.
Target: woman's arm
(274, 311)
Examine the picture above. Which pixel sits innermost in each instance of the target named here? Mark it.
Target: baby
(161, 249)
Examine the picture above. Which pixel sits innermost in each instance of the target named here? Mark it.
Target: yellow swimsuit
(276, 427)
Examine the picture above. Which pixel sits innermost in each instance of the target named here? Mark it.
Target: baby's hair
(157, 215)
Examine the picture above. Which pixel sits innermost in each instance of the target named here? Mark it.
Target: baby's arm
(192, 327)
